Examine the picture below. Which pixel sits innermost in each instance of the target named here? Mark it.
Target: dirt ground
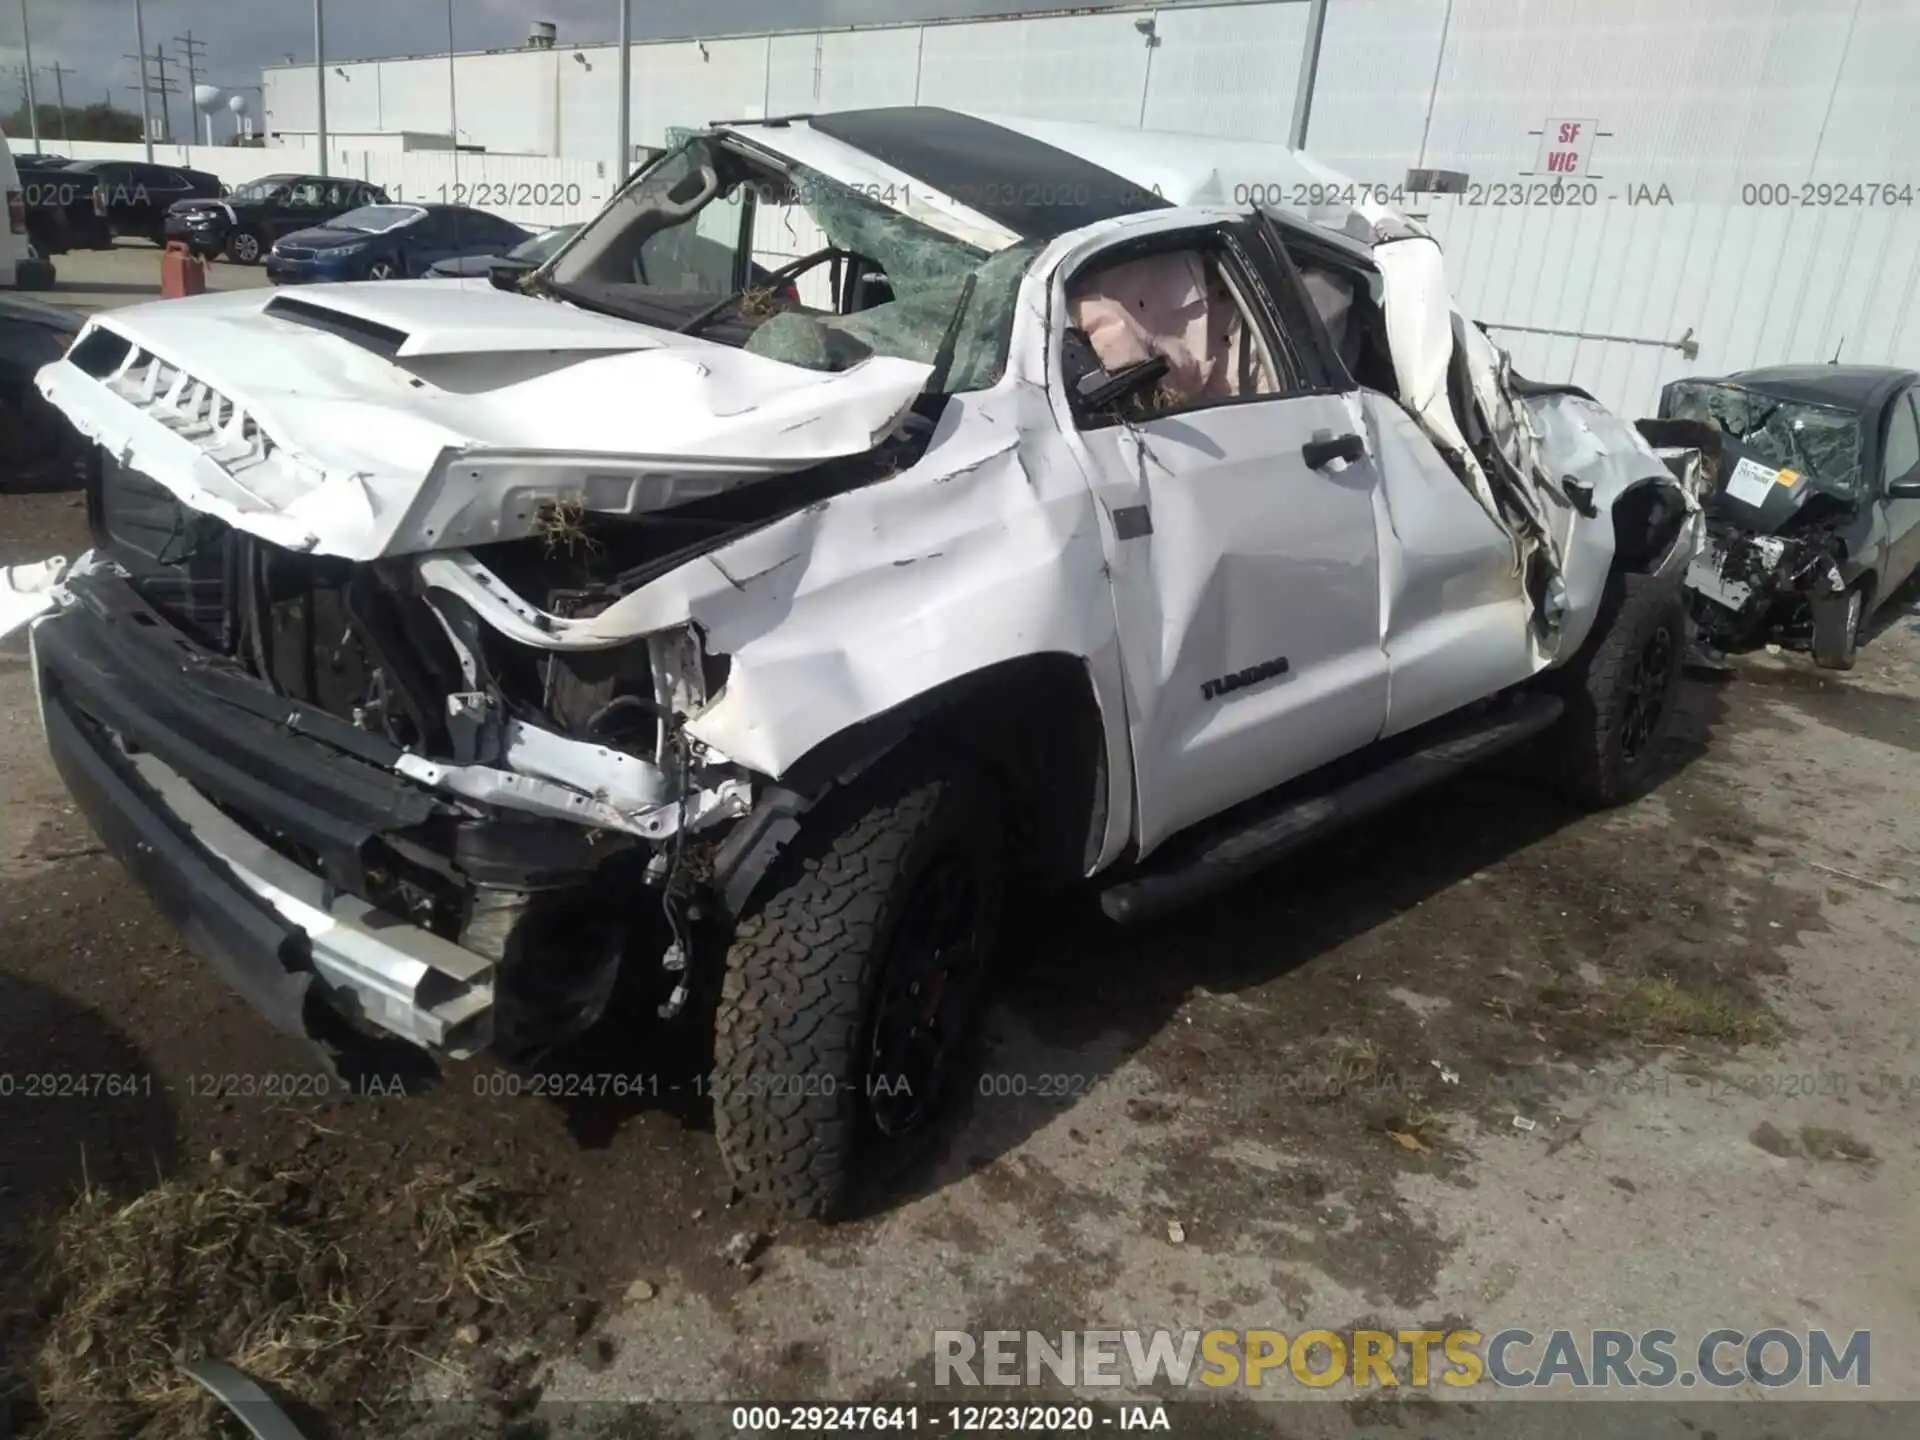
(1481, 1062)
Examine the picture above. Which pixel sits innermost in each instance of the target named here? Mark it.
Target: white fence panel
(525, 189)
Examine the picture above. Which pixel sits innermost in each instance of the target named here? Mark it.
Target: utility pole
(193, 47)
(147, 87)
(60, 72)
(453, 98)
(33, 105)
(1309, 72)
(625, 162)
(146, 105)
(320, 81)
(166, 93)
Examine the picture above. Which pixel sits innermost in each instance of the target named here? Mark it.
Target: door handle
(1319, 452)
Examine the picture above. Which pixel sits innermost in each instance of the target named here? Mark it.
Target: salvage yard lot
(1481, 1061)
(129, 273)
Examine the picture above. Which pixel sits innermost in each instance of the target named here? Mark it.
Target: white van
(19, 267)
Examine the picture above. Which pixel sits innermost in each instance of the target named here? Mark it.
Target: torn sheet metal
(1604, 456)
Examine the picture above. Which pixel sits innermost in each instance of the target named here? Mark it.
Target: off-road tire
(793, 1022)
(1596, 767)
(245, 247)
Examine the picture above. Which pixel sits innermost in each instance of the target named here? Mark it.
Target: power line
(193, 48)
(165, 86)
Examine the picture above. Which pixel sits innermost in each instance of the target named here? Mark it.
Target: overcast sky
(91, 37)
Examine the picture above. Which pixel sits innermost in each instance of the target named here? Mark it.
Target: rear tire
(875, 926)
(1620, 692)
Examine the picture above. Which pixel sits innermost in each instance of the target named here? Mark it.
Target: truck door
(1239, 501)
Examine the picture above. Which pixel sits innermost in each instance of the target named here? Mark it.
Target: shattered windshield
(812, 272)
(1823, 443)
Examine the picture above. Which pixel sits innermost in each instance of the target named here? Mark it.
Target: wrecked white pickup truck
(445, 650)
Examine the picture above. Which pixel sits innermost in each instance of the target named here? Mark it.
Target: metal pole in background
(453, 122)
(626, 94)
(453, 96)
(60, 72)
(33, 104)
(320, 81)
(1309, 69)
(146, 101)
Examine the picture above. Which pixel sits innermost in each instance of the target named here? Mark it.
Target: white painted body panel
(1387, 583)
(491, 404)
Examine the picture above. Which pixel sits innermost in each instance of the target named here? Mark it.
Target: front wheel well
(1032, 727)
(1646, 521)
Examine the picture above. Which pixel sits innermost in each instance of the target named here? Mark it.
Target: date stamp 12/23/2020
(18, 1086)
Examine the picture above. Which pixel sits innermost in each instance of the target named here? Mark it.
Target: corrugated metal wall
(1711, 99)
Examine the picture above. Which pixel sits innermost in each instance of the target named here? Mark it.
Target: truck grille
(192, 409)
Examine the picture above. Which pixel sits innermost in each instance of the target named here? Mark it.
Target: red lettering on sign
(1569, 132)
(1563, 161)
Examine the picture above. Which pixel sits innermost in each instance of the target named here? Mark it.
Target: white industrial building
(1740, 176)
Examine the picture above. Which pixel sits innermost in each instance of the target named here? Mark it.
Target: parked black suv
(49, 190)
(104, 199)
(244, 225)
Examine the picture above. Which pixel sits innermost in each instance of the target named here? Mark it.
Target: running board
(1252, 836)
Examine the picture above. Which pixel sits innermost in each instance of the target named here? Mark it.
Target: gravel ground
(1698, 1008)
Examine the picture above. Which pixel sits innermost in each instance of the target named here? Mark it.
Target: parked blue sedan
(388, 242)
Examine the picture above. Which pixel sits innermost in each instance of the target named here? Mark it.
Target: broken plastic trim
(245, 1398)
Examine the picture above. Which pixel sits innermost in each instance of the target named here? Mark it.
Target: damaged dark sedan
(1812, 474)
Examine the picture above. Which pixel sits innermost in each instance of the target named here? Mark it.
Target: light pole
(626, 93)
(453, 94)
(146, 101)
(33, 104)
(1309, 69)
(320, 81)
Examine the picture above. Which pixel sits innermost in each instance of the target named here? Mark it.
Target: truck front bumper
(261, 832)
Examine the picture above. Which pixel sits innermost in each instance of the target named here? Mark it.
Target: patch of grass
(178, 1273)
(1656, 1011)
(1651, 1010)
(1352, 1069)
(465, 1235)
(252, 1270)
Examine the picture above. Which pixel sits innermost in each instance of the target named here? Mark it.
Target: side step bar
(1254, 835)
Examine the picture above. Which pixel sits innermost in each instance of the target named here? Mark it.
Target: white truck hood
(387, 418)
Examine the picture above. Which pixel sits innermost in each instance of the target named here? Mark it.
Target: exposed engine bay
(448, 700)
